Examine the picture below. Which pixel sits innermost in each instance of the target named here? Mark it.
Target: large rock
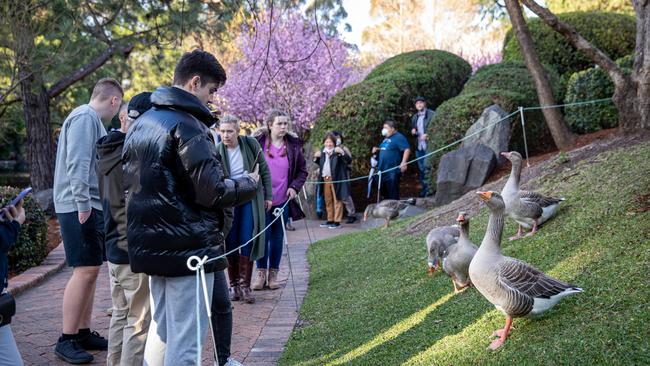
(45, 200)
(495, 137)
(463, 170)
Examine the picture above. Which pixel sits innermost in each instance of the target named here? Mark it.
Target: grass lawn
(370, 301)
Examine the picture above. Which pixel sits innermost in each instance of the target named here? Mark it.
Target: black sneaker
(93, 341)
(71, 352)
(327, 224)
(351, 219)
(335, 225)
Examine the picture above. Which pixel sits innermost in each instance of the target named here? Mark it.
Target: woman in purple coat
(283, 154)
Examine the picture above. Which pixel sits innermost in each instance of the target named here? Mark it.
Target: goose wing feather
(540, 199)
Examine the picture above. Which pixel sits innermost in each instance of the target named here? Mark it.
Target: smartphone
(18, 198)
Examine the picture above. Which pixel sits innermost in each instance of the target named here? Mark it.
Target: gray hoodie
(76, 187)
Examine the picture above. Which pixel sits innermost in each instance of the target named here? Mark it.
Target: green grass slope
(370, 301)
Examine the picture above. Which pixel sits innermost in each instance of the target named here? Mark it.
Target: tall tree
(289, 63)
(51, 46)
(397, 30)
(562, 136)
(631, 92)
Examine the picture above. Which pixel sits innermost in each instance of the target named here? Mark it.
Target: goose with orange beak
(529, 209)
(513, 286)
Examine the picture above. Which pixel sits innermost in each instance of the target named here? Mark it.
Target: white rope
(523, 130)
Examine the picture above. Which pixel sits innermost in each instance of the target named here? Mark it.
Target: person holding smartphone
(11, 218)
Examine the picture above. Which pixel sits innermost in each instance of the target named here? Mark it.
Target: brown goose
(386, 209)
(528, 209)
(438, 240)
(514, 287)
(456, 260)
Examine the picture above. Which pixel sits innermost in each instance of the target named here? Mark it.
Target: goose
(438, 240)
(513, 286)
(528, 209)
(455, 262)
(387, 210)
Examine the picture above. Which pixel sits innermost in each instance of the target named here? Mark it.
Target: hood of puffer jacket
(109, 152)
(177, 98)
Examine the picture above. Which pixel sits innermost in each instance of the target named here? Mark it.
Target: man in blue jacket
(419, 124)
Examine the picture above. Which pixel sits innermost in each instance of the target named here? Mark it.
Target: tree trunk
(631, 93)
(562, 136)
(36, 103)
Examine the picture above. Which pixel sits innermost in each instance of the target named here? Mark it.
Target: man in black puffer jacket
(176, 193)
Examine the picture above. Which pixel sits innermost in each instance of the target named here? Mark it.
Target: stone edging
(53, 263)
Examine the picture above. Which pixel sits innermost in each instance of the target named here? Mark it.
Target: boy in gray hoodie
(79, 210)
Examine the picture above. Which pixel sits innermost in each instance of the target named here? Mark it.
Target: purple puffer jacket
(297, 167)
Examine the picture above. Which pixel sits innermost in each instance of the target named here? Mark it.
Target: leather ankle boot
(234, 291)
(260, 279)
(245, 274)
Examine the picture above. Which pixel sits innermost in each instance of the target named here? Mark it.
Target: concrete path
(260, 330)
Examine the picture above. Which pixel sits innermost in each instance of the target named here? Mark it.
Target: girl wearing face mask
(283, 153)
(333, 162)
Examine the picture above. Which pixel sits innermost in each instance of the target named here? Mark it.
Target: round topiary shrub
(512, 76)
(30, 249)
(358, 111)
(613, 33)
(592, 84)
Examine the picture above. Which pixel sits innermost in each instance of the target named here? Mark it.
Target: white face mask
(338, 142)
(384, 132)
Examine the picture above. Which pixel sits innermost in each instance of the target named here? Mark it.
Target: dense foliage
(388, 92)
(592, 84)
(509, 85)
(30, 249)
(613, 33)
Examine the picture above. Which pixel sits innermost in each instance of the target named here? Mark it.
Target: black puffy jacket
(176, 187)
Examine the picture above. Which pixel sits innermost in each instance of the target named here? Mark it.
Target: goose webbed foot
(520, 233)
(387, 223)
(534, 229)
(502, 334)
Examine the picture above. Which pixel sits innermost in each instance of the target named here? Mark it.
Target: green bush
(388, 92)
(512, 76)
(592, 84)
(613, 33)
(30, 249)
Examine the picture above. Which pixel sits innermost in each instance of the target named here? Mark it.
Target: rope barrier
(199, 267)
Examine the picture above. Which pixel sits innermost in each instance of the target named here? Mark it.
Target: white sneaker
(233, 362)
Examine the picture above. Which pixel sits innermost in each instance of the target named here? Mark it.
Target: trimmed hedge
(30, 249)
(509, 85)
(592, 84)
(613, 33)
(358, 111)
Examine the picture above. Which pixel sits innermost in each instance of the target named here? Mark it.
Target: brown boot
(245, 274)
(260, 279)
(234, 291)
(273, 279)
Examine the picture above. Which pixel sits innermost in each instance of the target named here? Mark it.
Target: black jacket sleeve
(198, 159)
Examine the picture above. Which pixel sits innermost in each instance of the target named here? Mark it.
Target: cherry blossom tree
(287, 62)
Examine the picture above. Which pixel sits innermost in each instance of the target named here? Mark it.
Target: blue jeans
(274, 240)
(9, 354)
(423, 167)
(241, 231)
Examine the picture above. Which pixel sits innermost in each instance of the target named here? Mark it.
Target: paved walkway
(260, 330)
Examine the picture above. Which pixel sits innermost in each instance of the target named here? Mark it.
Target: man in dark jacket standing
(419, 124)
(131, 315)
(176, 190)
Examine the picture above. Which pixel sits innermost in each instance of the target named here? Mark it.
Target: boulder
(463, 170)
(45, 200)
(495, 137)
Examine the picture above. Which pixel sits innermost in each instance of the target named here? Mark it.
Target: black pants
(221, 317)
